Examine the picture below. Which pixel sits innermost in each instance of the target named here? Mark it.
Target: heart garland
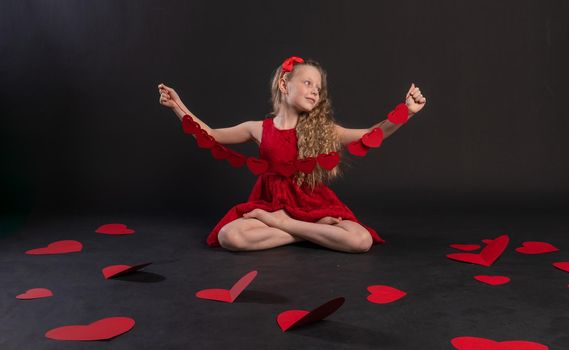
(328, 161)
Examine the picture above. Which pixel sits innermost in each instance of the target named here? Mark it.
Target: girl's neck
(286, 118)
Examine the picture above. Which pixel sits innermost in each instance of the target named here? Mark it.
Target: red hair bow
(289, 62)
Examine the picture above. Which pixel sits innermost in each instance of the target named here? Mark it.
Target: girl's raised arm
(346, 135)
(237, 134)
(414, 101)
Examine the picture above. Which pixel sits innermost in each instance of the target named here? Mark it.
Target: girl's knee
(362, 242)
(231, 238)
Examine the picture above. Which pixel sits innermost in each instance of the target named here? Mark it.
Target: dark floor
(443, 301)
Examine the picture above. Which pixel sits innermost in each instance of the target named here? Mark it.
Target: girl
(285, 209)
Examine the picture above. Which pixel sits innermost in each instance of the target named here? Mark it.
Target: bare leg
(346, 236)
(253, 234)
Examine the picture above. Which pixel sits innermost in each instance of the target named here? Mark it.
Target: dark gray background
(82, 128)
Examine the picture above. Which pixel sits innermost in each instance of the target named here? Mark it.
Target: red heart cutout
(380, 294)
(465, 247)
(295, 318)
(487, 256)
(119, 270)
(114, 229)
(205, 140)
(59, 247)
(533, 247)
(235, 159)
(257, 166)
(357, 148)
(228, 296)
(103, 329)
(399, 115)
(475, 343)
(306, 165)
(285, 168)
(492, 280)
(374, 138)
(189, 125)
(328, 161)
(35, 293)
(219, 152)
(562, 265)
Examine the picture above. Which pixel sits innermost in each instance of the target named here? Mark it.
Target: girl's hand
(168, 97)
(414, 100)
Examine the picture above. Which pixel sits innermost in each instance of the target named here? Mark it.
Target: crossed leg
(260, 229)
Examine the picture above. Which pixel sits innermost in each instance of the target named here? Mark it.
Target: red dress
(273, 191)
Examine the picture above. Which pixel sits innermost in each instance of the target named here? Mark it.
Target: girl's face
(302, 91)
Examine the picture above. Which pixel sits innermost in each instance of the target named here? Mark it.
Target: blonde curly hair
(315, 130)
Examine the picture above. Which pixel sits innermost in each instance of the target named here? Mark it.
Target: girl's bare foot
(329, 220)
(273, 219)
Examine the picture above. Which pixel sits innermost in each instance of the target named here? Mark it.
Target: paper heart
(533, 247)
(562, 265)
(219, 152)
(399, 115)
(492, 280)
(373, 139)
(487, 256)
(114, 229)
(35, 293)
(103, 329)
(295, 318)
(228, 296)
(189, 125)
(306, 165)
(120, 270)
(257, 166)
(235, 159)
(357, 148)
(328, 161)
(285, 168)
(58, 247)
(204, 139)
(475, 343)
(380, 294)
(466, 247)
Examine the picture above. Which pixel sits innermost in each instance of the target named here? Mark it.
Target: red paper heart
(204, 139)
(119, 270)
(492, 280)
(328, 161)
(114, 229)
(189, 125)
(235, 159)
(59, 247)
(35, 293)
(228, 296)
(219, 152)
(533, 247)
(562, 265)
(285, 168)
(475, 343)
(487, 256)
(373, 139)
(295, 318)
(257, 166)
(399, 115)
(357, 148)
(103, 329)
(465, 247)
(380, 294)
(306, 165)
